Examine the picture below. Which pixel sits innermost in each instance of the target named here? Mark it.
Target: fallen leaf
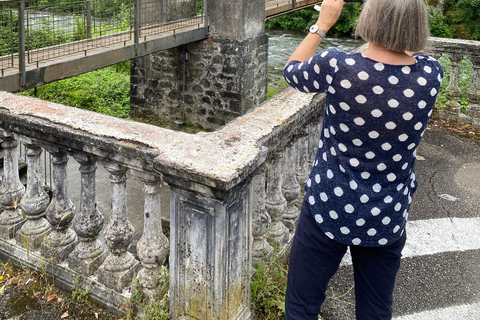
(51, 297)
(2, 289)
(96, 315)
(64, 315)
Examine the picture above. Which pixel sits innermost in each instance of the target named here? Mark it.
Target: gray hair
(397, 25)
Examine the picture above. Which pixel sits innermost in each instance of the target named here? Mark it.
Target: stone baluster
(34, 202)
(153, 246)
(90, 253)
(275, 203)
(473, 109)
(11, 190)
(120, 266)
(261, 219)
(301, 159)
(313, 136)
(61, 211)
(453, 89)
(290, 186)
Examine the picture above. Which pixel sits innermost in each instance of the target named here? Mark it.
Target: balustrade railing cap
(219, 159)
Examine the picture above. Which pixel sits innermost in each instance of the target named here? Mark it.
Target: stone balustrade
(235, 195)
(457, 50)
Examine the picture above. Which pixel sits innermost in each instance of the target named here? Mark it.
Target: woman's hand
(329, 14)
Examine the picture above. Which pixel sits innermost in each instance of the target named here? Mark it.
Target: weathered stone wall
(223, 79)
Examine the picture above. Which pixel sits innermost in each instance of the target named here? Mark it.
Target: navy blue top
(361, 185)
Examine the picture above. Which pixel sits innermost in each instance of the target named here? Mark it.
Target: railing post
(205, 16)
(453, 90)
(21, 43)
(473, 108)
(61, 211)
(12, 190)
(302, 169)
(120, 266)
(261, 220)
(153, 247)
(88, 8)
(290, 186)
(136, 26)
(89, 253)
(35, 201)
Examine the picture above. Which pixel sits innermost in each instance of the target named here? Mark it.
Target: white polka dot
(405, 214)
(346, 84)
(359, 121)
(357, 142)
(390, 125)
(411, 146)
(333, 215)
(341, 168)
(393, 80)
(360, 222)
(365, 175)
(398, 206)
(344, 230)
(364, 198)
(382, 241)
(300, 66)
(309, 183)
(361, 99)
(324, 54)
(391, 177)
(318, 218)
(400, 186)
(388, 199)
(323, 196)
(377, 90)
(354, 162)
(329, 79)
(316, 68)
(362, 75)
(317, 178)
(422, 104)
(311, 200)
(393, 103)
(349, 208)
(381, 167)
(329, 174)
(310, 60)
(344, 106)
(353, 185)
(418, 126)
(342, 147)
(305, 89)
(403, 137)
(407, 116)
(433, 92)
(290, 68)
(422, 81)
(377, 187)
(376, 113)
(386, 146)
(356, 241)
(330, 235)
(408, 93)
(332, 151)
(397, 157)
(350, 61)
(295, 79)
(379, 66)
(326, 133)
(395, 230)
(331, 89)
(369, 155)
(338, 191)
(375, 211)
(316, 84)
(333, 62)
(288, 80)
(373, 134)
(371, 232)
(332, 109)
(427, 69)
(430, 113)
(320, 144)
(406, 70)
(324, 156)
(405, 166)
(386, 220)
(305, 75)
(440, 78)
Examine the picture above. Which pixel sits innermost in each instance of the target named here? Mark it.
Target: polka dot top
(362, 182)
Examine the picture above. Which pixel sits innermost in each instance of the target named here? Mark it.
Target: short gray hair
(398, 25)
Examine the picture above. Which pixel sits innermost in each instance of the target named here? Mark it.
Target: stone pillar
(301, 159)
(225, 75)
(210, 255)
(61, 211)
(11, 190)
(90, 253)
(153, 247)
(276, 204)
(34, 202)
(290, 186)
(261, 220)
(453, 90)
(120, 266)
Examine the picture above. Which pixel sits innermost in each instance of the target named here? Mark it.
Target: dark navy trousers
(314, 259)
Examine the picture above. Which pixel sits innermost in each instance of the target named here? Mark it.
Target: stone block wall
(223, 79)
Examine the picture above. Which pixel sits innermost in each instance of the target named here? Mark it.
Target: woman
(361, 185)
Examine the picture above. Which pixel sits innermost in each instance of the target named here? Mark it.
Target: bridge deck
(58, 62)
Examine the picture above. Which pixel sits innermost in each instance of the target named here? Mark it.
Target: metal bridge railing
(40, 30)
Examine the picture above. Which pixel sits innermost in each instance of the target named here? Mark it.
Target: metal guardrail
(37, 31)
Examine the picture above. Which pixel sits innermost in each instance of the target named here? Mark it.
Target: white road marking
(464, 312)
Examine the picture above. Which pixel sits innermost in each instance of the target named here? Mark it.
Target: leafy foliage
(438, 24)
(467, 15)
